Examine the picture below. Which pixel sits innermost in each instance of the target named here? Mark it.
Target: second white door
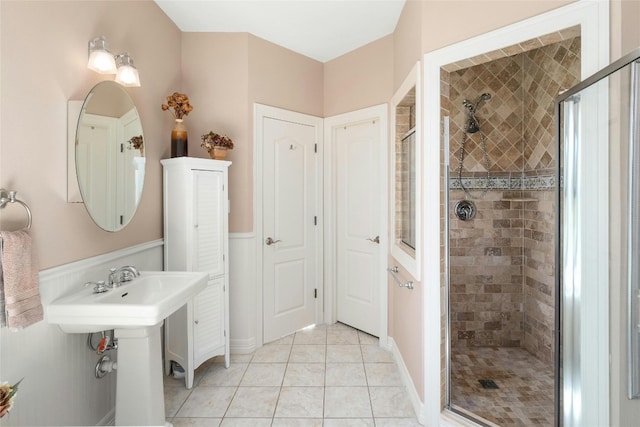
(359, 228)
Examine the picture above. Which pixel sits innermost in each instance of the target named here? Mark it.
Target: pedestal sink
(135, 311)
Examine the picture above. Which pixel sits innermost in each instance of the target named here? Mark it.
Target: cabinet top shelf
(195, 161)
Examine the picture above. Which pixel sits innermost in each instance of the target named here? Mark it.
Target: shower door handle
(375, 240)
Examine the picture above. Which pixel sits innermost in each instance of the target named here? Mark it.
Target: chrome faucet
(123, 274)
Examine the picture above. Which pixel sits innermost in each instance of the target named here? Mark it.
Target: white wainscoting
(242, 293)
(59, 386)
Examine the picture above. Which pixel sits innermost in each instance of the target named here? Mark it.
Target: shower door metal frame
(633, 250)
(567, 338)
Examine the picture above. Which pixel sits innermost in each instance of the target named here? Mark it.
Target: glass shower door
(598, 333)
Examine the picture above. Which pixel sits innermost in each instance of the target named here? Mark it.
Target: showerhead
(483, 97)
(472, 125)
(473, 106)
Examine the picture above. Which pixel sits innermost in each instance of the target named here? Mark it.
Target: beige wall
(216, 78)
(282, 78)
(359, 79)
(44, 55)
(406, 325)
(407, 41)
(625, 27)
(446, 22)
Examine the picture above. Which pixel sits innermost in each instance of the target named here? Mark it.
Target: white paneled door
(359, 228)
(291, 233)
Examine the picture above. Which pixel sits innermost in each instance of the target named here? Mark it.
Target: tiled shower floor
(326, 376)
(525, 396)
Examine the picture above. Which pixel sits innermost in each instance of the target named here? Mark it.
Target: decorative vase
(179, 147)
(218, 153)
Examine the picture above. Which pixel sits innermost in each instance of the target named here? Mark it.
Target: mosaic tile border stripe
(545, 182)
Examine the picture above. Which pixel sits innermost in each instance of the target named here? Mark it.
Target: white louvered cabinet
(196, 208)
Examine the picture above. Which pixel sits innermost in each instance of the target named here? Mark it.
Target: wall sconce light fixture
(127, 74)
(102, 61)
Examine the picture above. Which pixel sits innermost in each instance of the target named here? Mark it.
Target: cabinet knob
(197, 321)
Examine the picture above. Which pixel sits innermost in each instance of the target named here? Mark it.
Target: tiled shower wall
(502, 263)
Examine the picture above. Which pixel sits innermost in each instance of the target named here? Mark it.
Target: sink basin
(145, 301)
(135, 311)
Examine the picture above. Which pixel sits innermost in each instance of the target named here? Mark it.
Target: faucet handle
(112, 279)
(99, 287)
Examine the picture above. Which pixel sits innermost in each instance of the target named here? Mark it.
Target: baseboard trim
(407, 381)
(242, 346)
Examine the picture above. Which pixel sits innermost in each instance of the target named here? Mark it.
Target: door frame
(261, 111)
(377, 112)
(593, 17)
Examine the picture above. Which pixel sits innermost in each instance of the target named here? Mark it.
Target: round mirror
(110, 159)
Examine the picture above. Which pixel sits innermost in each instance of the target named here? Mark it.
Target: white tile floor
(330, 376)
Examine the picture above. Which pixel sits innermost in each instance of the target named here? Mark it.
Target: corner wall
(43, 57)
(224, 75)
(359, 79)
(216, 78)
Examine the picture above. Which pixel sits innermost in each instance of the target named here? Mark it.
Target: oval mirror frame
(109, 152)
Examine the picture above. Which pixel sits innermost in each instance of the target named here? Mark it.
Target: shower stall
(501, 178)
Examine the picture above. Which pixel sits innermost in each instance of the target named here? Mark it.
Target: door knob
(270, 241)
(375, 240)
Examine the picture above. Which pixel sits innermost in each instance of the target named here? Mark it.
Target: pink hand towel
(20, 276)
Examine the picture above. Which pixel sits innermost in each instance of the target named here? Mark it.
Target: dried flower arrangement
(179, 102)
(136, 142)
(211, 140)
(7, 393)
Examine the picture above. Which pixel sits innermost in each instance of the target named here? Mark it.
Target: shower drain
(488, 384)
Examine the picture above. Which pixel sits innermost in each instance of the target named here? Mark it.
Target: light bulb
(100, 59)
(127, 74)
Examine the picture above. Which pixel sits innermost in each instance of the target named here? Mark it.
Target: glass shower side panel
(569, 306)
(583, 387)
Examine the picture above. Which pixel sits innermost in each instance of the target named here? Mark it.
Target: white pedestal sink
(135, 311)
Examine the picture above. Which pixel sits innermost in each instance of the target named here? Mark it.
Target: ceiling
(319, 29)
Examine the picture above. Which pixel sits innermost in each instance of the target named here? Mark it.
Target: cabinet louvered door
(208, 328)
(208, 222)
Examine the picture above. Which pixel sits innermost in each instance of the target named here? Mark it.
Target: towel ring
(10, 197)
